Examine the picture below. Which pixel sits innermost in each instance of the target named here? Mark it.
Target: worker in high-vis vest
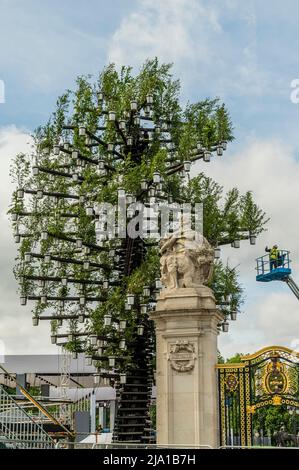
(274, 256)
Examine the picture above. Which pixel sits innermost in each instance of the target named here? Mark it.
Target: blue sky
(249, 58)
(44, 45)
(244, 52)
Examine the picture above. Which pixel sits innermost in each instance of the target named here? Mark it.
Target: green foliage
(272, 418)
(236, 359)
(225, 283)
(252, 217)
(153, 415)
(146, 274)
(20, 169)
(208, 122)
(225, 217)
(220, 358)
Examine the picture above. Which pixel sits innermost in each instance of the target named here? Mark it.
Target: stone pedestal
(186, 329)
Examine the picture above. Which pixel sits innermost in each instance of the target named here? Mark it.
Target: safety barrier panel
(18, 428)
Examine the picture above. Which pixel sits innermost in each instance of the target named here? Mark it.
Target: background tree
(125, 136)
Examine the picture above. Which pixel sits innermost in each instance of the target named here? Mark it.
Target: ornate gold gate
(268, 377)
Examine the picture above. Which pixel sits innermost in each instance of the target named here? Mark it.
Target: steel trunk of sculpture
(186, 321)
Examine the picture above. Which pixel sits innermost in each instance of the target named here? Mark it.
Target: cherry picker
(279, 271)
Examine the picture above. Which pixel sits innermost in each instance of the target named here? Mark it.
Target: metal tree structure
(123, 139)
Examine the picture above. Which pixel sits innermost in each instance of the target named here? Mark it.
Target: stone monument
(186, 321)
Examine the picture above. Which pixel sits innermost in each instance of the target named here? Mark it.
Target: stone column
(93, 412)
(186, 329)
(102, 416)
(112, 415)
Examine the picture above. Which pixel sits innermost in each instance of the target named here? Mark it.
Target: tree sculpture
(124, 138)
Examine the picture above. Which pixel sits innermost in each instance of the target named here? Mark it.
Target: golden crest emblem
(275, 380)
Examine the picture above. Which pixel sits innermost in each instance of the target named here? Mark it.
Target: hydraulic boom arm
(292, 285)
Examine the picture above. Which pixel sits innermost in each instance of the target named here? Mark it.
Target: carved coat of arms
(182, 356)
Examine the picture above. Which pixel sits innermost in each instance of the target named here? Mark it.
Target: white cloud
(278, 317)
(268, 168)
(197, 39)
(272, 319)
(166, 30)
(16, 330)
